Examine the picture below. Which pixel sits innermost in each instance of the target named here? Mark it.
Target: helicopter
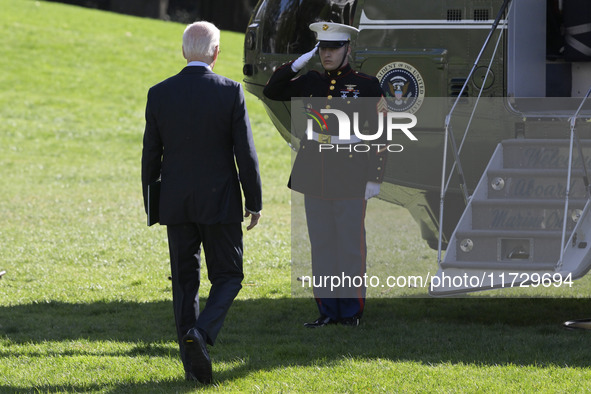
(499, 179)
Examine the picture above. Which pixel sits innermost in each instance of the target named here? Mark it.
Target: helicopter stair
(511, 231)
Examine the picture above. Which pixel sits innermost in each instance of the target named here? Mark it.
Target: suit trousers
(222, 244)
(337, 238)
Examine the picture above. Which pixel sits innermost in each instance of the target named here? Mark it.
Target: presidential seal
(403, 87)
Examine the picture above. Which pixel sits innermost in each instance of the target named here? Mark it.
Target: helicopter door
(551, 59)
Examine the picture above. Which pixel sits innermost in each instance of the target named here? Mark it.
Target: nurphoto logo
(349, 131)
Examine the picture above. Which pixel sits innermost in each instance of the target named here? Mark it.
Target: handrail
(574, 138)
(578, 142)
(474, 109)
(449, 136)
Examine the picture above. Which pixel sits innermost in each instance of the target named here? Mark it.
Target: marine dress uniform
(334, 181)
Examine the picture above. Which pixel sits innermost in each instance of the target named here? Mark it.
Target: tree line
(225, 14)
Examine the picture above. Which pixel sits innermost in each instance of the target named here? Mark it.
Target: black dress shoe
(321, 322)
(350, 321)
(200, 360)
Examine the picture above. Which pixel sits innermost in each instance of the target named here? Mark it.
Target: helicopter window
(259, 13)
(285, 22)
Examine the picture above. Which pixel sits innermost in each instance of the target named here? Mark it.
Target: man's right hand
(254, 219)
(301, 61)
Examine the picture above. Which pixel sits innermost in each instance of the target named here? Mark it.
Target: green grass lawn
(85, 305)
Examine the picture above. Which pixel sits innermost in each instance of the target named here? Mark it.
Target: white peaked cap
(329, 31)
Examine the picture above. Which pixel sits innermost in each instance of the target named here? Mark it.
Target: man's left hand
(372, 189)
(254, 219)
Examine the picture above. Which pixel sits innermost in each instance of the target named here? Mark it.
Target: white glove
(372, 189)
(301, 61)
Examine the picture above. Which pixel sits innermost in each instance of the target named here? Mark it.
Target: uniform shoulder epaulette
(362, 75)
(284, 65)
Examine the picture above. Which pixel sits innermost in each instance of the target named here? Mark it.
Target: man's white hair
(200, 40)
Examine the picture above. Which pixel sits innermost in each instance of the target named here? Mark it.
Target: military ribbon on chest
(350, 89)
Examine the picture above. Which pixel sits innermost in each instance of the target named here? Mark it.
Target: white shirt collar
(198, 63)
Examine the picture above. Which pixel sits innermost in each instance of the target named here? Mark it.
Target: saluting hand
(301, 61)
(254, 219)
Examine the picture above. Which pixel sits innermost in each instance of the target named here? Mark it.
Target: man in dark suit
(197, 131)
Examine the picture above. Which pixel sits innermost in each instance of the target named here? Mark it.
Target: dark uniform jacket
(329, 173)
(197, 131)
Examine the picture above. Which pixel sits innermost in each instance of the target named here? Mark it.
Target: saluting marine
(337, 181)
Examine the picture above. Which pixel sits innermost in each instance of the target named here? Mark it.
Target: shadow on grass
(267, 334)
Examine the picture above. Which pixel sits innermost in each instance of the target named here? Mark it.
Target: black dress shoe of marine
(321, 322)
(200, 360)
(350, 321)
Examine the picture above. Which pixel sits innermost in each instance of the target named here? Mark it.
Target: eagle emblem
(398, 87)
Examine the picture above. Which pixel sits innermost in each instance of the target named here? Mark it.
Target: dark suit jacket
(197, 131)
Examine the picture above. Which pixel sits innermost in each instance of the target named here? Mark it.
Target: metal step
(511, 247)
(515, 214)
(519, 183)
(487, 266)
(548, 154)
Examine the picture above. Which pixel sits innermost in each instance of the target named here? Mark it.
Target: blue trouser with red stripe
(337, 237)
